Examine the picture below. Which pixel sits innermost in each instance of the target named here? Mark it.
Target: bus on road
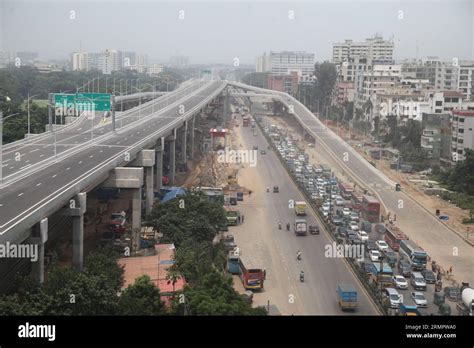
(370, 209)
(393, 236)
(251, 275)
(414, 253)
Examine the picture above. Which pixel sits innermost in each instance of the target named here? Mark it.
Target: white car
(400, 282)
(381, 245)
(363, 236)
(374, 255)
(419, 299)
(354, 216)
(339, 201)
(346, 212)
(354, 226)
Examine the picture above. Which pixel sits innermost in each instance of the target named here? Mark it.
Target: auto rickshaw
(439, 298)
(444, 309)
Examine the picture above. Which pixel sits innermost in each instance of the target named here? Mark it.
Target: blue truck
(347, 296)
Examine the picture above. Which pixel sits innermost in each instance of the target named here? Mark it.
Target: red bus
(393, 236)
(346, 190)
(370, 209)
(251, 276)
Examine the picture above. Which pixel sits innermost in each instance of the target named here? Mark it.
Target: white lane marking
(91, 156)
(7, 160)
(38, 184)
(1, 205)
(34, 150)
(80, 162)
(54, 175)
(27, 161)
(21, 194)
(68, 168)
(42, 155)
(11, 167)
(28, 165)
(79, 129)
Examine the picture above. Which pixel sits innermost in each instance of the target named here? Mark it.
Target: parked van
(417, 281)
(394, 297)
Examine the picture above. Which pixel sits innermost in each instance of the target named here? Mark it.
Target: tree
(326, 76)
(141, 298)
(461, 177)
(214, 296)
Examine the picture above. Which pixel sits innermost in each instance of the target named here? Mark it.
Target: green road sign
(64, 104)
(60, 98)
(101, 101)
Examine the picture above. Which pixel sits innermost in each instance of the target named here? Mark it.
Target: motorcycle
(288, 226)
(298, 256)
(302, 277)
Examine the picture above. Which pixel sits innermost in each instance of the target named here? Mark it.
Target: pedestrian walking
(243, 216)
(394, 217)
(451, 270)
(264, 273)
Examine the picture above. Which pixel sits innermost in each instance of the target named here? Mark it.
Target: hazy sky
(218, 31)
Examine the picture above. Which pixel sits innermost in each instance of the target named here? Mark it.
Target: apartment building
(462, 133)
(372, 48)
(110, 60)
(436, 137)
(286, 62)
(80, 61)
(466, 80)
(283, 83)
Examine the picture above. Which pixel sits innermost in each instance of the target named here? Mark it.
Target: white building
(466, 80)
(284, 63)
(154, 69)
(110, 60)
(462, 133)
(446, 78)
(372, 48)
(80, 61)
(376, 80)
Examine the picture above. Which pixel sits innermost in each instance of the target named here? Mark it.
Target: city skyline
(414, 29)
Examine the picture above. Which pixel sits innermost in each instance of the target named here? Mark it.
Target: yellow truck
(300, 208)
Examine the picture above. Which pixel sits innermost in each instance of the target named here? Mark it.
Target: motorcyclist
(298, 255)
(302, 276)
(279, 225)
(288, 226)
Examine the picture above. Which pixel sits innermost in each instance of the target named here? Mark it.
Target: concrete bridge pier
(160, 145)
(191, 138)
(39, 238)
(146, 159)
(129, 178)
(172, 144)
(184, 143)
(76, 209)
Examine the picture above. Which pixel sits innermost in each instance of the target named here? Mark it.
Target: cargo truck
(347, 296)
(301, 227)
(232, 215)
(300, 208)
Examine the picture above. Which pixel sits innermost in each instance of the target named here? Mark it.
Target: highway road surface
(259, 238)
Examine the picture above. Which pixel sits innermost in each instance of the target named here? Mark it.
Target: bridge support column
(76, 209)
(172, 141)
(39, 238)
(146, 159)
(191, 138)
(129, 178)
(184, 133)
(159, 163)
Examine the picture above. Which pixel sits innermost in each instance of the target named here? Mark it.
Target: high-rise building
(462, 133)
(466, 80)
(110, 60)
(286, 62)
(80, 61)
(179, 61)
(436, 137)
(372, 48)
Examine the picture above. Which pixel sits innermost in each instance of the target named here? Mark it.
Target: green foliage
(69, 292)
(214, 296)
(141, 298)
(326, 76)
